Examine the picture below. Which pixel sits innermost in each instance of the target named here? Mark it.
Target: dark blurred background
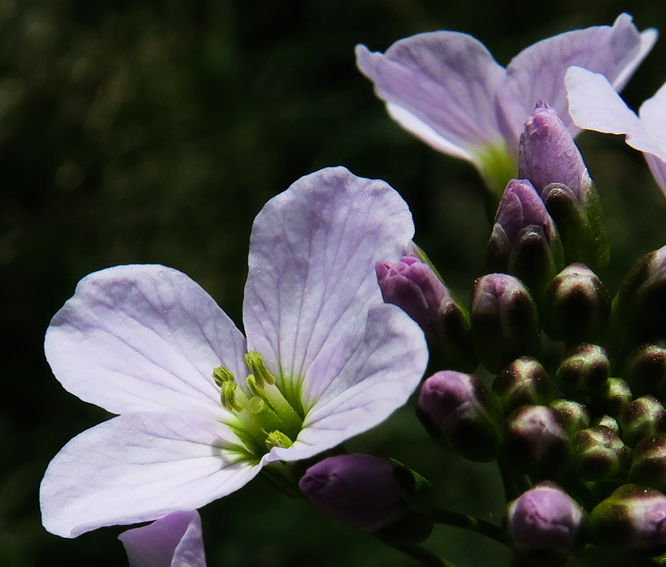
(154, 131)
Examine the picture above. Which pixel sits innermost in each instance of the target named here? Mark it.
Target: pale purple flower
(148, 343)
(446, 88)
(173, 541)
(594, 105)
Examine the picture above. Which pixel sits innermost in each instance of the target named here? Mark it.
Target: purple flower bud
(548, 153)
(370, 494)
(546, 518)
(504, 321)
(648, 467)
(641, 418)
(577, 306)
(584, 371)
(413, 286)
(524, 241)
(537, 442)
(521, 207)
(523, 382)
(462, 414)
(633, 517)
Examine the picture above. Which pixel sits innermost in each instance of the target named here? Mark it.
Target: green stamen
(278, 439)
(262, 416)
(221, 375)
(255, 362)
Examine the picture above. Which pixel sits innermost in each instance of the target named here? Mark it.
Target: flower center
(265, 418)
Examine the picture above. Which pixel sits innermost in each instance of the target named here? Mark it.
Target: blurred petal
(311, 267)
(440, 86)
(143, 338)
(139, 467)
(173, 541)
(537, 73)
(360, 380)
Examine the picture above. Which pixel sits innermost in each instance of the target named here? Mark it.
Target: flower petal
(143, 338)
(173, 541)
(359, 381)
(537, 73)
(440, 86)
(139, 467)
(594, 105)
(312, 266)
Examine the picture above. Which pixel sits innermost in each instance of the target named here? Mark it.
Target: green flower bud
(598, 454)
(578, 218)
(648, 466)
(537, 442)
(609, 422)
(575, 415)
(504, 321)
(641, 302)
(462, 414)
(633, 517)
(646, 370)
(642, 418)
(614, 396)
(577, 306)
(524, 382)
(584, 371)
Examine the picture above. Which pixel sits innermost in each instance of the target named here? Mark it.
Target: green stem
(458, 520)
(423, 555)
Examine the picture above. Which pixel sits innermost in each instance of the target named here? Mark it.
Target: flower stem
(471, 523)
(423, 555)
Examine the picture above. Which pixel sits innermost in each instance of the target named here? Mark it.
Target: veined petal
(312, 266)
(537, 73)
(359, 381)
(143, 338)
(139, 467)
(173, 541)
(594, 105)
(440, 86)
(653, 118)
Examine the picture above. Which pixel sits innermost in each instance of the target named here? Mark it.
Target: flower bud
(641, 302)
(575, 415)
(584, 371)
(414, 286)
(550, 159)
(537, 442)
(524, 382)
(633, 517)
(642, 418)
(548, 153)
(614, 396)
(608, 422)
(381, 497)
(577, 306)
(546, 518)
(599, 454)
(646, 370)
(462, 414)
(504, 321)
(648, 467)
(524, 241)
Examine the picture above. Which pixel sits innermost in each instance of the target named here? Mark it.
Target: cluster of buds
(573, 414)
